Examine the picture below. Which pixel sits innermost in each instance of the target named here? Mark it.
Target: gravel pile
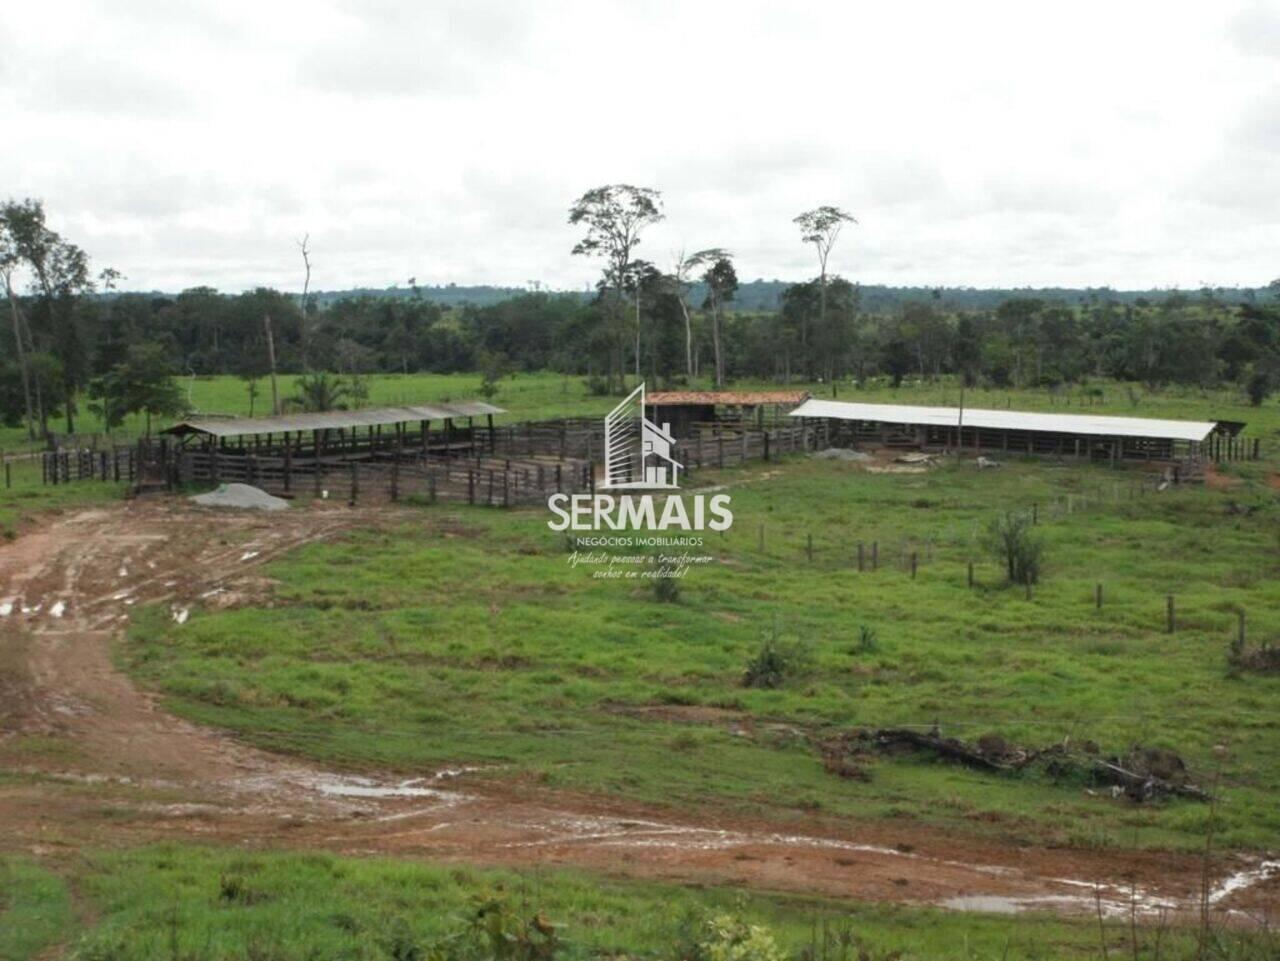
(243, 496)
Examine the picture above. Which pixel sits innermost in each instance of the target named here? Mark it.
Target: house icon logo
(637, 452)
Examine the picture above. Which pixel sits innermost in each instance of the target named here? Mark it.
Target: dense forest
(73, 340)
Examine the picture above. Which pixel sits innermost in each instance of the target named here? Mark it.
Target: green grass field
(218, 904)
(466, 636)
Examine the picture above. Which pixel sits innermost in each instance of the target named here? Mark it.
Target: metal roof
(1090, 424)
(746, 398)
(366, 417)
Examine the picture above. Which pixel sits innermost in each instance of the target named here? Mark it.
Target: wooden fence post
(875, 555)
(913, 565)
(809, 547)
(971, 573)
(1169, 614)
(1097, 596)
(1240, 628)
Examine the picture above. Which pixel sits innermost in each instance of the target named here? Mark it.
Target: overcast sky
(982, 143)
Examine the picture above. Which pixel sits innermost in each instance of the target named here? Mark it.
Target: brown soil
(100, 764)
(1216, 481)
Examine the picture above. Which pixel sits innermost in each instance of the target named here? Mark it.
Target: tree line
(73, 341)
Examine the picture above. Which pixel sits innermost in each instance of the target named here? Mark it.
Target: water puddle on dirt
(353, 786)
(1232, 883)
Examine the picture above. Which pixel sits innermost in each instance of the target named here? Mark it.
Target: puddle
(1232, 883)
(362, 787)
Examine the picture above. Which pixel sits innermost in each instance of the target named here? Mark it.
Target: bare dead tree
(271, 364)
(306, 289)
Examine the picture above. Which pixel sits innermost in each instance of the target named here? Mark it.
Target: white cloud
(995, 142)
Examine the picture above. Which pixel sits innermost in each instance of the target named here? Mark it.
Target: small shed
(692, 411)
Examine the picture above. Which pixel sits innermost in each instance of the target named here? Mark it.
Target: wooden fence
(519, 464)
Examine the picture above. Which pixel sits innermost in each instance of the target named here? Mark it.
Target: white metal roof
(1092, 424)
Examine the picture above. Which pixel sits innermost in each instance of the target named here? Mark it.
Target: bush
(775, 663)
(866, 640)
(664, 582)
(1021, 552)
(1259, 386)
(728, 938)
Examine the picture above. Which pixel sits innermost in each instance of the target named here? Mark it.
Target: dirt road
(100, 764)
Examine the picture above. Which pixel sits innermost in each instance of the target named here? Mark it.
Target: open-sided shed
(1082, 435)
(689, 411)
(437, 427)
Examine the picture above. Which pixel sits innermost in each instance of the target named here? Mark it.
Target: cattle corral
(455, 452)
(436, 452)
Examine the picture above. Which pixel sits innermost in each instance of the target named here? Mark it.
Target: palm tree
(320, 392)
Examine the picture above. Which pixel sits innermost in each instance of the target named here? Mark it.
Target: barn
(694, 412)
(1092, 436)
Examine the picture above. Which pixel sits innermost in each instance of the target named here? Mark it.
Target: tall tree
(722, 283)
(821, 227)
(10, 259)
(61, 275)
(614, 216)
(682, 282)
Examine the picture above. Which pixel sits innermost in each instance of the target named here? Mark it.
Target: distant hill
(764, 295)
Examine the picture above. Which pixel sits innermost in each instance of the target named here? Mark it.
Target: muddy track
(110, 767)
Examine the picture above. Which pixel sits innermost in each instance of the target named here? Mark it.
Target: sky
(1125, 143)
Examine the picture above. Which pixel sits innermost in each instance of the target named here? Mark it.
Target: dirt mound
(240, 496)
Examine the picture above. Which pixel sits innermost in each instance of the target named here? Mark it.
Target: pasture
(467, 636)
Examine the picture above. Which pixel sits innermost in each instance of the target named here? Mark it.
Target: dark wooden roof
(333, 419)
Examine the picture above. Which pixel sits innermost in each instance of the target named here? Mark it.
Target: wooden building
(690, 412)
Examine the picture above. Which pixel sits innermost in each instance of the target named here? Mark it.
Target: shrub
(1021, 552)
(664, 582)
(775, 663)
(729, 938)
(866, 640)
(1260, 384)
